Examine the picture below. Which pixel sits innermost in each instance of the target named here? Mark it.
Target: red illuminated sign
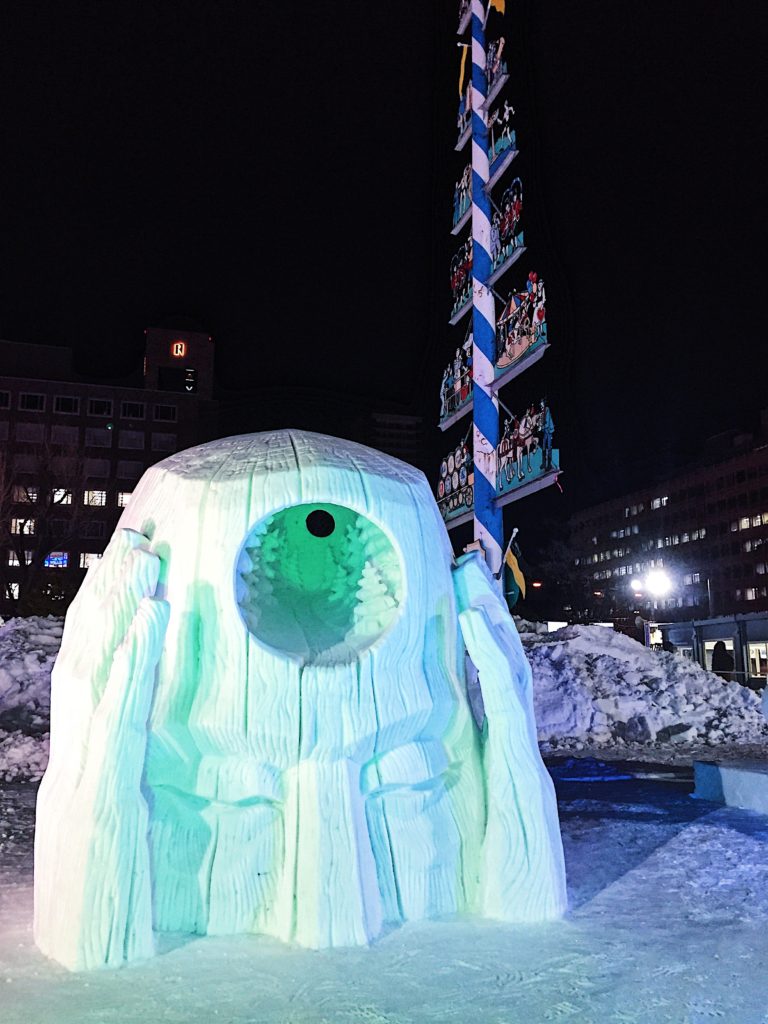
(178, 349)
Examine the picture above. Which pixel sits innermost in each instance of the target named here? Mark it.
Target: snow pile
(28, 649)
(594, 687)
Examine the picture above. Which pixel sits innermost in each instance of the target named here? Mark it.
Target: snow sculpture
(260, 723)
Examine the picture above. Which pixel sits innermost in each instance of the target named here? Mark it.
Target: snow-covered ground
(668, 924)
(668, 918)
(596, 691)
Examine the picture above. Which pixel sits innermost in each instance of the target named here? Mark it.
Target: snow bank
(28, 649)
(594, 687)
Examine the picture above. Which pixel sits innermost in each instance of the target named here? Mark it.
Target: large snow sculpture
(260, 721)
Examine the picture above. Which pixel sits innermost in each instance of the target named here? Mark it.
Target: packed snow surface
(594, 690)
(667, 925)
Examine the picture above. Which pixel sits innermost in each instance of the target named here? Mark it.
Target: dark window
(98, 437)
(131, 439)
(163, 442)
(132, 410)
(31, 402)
(68, 404)
(93, 529)
(99, 407)
(5, 399)
(166, 413)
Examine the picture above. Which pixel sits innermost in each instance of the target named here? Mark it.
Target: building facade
(706, 528)
(74, 448)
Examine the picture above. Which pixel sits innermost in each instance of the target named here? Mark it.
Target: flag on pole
(513, 565)
(514, 579)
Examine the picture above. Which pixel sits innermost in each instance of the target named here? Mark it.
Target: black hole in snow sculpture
(321, 523)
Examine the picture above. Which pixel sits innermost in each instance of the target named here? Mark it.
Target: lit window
(744, 523)
(695, 535)
(750, 594)
(95, 498)
(734, 526)
(31, 403)
(696, 577)
(765, 518)
(703, 532)
(62, 496)
(99, 406)
(23, 526)
(123, 497)
(25, 495)
(89, 558)
(747, 545)
(760, 568)
(57, 560)
(12, 591)
(68, 404)
(684, 538)
(757, 520)
(13, 558)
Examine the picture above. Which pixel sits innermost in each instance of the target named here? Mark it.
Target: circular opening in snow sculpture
(320, 582)
(320, 523)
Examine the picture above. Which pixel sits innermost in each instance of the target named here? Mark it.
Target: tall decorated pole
(488, 521)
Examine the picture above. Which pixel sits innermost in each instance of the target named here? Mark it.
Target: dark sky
(284, 175)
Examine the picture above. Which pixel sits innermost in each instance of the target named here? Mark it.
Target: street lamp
(658, 583)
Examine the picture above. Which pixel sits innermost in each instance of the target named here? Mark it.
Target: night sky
(284, 175)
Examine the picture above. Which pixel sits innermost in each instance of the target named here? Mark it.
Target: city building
(74, 447)
(705, 528)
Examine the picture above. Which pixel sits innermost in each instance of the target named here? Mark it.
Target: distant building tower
(179, 360)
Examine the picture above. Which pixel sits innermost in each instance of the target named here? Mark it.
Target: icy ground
(668, 923)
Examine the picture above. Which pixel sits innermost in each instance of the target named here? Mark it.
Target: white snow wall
(309, 768)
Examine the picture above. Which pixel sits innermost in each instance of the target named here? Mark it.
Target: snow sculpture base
(260, 720)
(735, 783)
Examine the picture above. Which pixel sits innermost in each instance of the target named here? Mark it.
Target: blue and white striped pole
(489, 527)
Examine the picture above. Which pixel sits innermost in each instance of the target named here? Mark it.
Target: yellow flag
(517, 572)
(461, 69)
(498, 5)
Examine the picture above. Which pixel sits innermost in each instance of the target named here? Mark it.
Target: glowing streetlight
(658, 583)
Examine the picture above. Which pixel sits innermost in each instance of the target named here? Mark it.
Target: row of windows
(748, 522)
(660, 542)
(125, 469)
(57, 559)
(628, 570)
(69, 405)
(89, 528)
(95, 437)
(24, 495)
